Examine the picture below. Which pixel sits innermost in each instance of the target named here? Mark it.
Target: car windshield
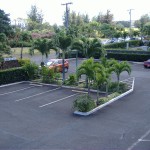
(50, 63)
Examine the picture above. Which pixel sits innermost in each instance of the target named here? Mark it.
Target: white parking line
(57, 100)
(17, 90)
(139, 140)
(12, 84)
(35, 84)
(80, 91)
(36, 94)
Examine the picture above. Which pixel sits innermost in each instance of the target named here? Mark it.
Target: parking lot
(34, 116)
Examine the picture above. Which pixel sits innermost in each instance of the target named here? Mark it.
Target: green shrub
(31, 70)
(71, 80)
(84, 103)
(14, 43)
(49, 75)
(13, 75)
(23, 61)
(103, 100)
(133, 43)
(113, 87)
(129, 56)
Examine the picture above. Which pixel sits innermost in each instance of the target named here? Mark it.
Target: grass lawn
(15, 52)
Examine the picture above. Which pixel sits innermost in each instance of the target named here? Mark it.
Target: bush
(103, 100)
(23, 61)
(13, 75)
(49, 75)
(71, 80)
(133, 43)
(113, 87)
(84, 103)
(129, 56)
(14, 43)
(31, 70)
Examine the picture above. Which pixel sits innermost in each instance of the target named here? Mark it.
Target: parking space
(34, 116)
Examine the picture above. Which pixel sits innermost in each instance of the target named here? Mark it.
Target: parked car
(147, 63)
(57, 65)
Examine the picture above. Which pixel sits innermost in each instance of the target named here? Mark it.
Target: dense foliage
(13, 75)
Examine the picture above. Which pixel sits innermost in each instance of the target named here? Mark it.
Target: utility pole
(130, 10)
(67, 14)
(67, 25)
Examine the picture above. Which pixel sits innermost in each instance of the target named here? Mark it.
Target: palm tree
(43, 46)
(63, 42)
(100, 77)
(87, 47)
(108, 69)
(120, 67)
(88, 68)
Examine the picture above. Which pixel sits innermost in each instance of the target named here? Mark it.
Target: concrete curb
(107, 103)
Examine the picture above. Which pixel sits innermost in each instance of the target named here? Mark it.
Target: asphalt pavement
(40, 117)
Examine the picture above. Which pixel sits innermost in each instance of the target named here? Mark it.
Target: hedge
(14, 43)
(13, 75)
(129, 57)
(133, 43)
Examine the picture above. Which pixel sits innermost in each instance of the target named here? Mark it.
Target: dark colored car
(147, 63)
(57, 65)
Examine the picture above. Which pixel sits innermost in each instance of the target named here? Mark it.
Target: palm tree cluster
(99, 73)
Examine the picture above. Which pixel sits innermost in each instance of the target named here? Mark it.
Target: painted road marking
(139, 140)
(57, 100)
(17, 90)
(36, 94)
(35, 84)
(79, 91)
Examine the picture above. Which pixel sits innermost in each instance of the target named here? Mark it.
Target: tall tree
(35, 18)
(4, 47)
(88, 68)
(146, 28)
(104, 18)
(35, 15)
(43, 46)
(120, 67)
(5, 26)
(88, 47)
(63, 42)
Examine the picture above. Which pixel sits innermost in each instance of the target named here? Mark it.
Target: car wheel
(66, 70)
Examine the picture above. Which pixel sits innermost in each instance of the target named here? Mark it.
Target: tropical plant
(88, 68)
(31, 70)
(5, 26)
(108, 69)
(88, 47)
(49, 75)
(84, 103)
(119, 67)
(63, 42)
(4, 47)
(71, 80)
(43, 46)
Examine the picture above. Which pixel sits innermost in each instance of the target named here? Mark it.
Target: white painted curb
(105, 104)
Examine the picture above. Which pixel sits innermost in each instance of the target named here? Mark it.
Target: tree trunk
(97, 95)
(118, 79)
(21, 52)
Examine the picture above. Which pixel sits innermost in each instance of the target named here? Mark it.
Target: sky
(53, 10)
